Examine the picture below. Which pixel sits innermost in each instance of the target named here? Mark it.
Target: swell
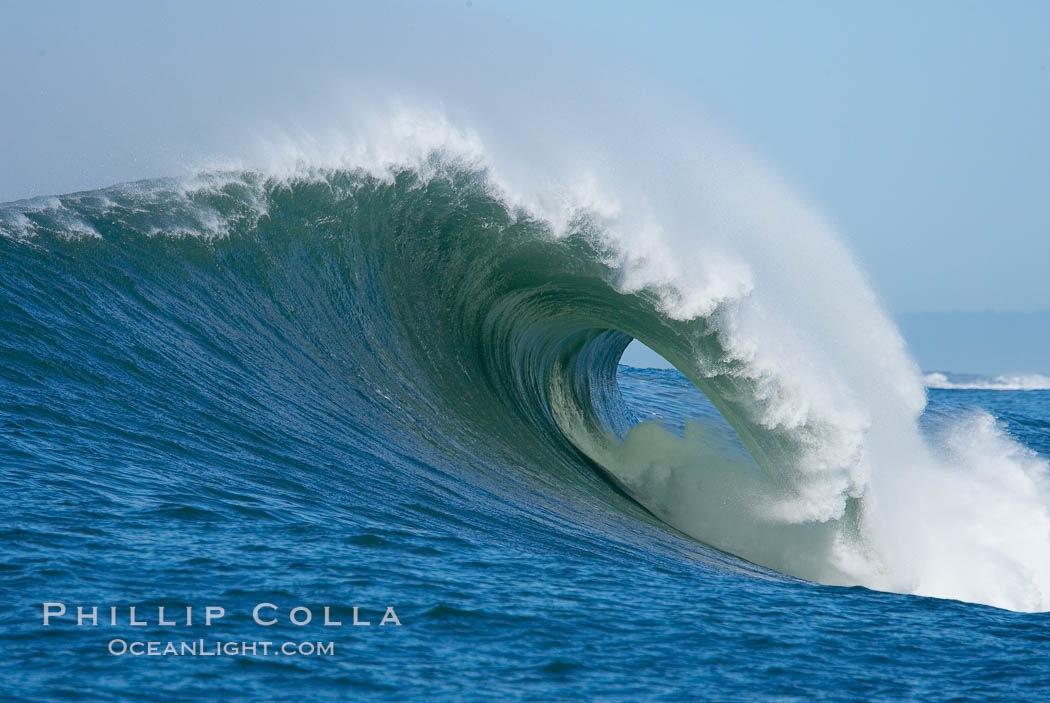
(449, 317)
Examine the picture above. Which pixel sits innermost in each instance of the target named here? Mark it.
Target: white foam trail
(1017, 382)
(970, 522)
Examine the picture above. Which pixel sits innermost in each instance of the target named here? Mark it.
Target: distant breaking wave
(1021, 382)
(491, 292)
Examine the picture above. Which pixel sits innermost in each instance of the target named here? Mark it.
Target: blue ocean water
(191, 423)
(494, 603)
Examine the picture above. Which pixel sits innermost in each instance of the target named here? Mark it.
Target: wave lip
(1013, 382)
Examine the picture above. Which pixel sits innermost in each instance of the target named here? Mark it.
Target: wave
(495, 298)
(1017, 382)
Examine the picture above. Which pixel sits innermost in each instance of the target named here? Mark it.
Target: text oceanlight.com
(204, 648)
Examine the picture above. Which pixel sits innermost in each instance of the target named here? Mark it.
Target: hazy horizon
(1006, 342)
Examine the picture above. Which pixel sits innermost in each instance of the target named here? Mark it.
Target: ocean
(282, 402)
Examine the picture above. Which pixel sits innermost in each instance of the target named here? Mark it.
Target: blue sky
(921, 129)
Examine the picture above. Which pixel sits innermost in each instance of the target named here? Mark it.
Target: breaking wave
(474, 296)
(1017, 382)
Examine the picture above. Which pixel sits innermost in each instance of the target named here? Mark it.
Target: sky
(920, 129)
